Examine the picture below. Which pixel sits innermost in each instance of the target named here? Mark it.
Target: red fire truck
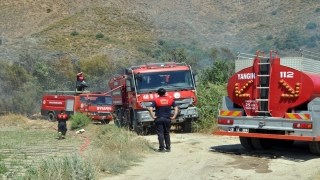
(98, 106)
(273, 101)
(133, 92)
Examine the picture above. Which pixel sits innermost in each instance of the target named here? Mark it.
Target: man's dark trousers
(62, 127)
(163, 131)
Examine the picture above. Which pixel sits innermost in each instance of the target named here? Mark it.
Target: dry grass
(128, 24)
(29, 148)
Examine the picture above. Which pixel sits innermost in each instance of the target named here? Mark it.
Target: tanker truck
(273, 101)
(133, 92)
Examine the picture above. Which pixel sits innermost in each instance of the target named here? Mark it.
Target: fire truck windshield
(97, 100)
(168, 80)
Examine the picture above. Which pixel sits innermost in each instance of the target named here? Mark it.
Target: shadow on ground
(299, 151)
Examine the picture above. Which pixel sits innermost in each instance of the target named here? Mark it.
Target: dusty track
(197, 156)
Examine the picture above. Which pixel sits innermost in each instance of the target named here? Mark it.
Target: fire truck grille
(104, 114)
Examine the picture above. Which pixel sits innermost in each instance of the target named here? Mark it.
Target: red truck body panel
(288, 88)
(83, 103)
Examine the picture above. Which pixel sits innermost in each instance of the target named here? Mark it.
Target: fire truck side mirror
(128, 84)
(127, 71)
(196, 78)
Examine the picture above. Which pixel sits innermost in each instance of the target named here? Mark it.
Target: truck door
(69, 105)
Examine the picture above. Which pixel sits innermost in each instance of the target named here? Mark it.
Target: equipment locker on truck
(273, 100)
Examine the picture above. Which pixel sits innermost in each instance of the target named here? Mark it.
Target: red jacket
(62, 117)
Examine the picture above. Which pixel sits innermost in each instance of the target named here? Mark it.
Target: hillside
(44, 27)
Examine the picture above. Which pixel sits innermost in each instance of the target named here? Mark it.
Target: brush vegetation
(29, 150)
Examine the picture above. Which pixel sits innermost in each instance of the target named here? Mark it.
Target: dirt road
(205, 157)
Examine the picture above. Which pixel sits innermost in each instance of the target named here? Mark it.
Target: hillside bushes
(210, 91)
(293, 39)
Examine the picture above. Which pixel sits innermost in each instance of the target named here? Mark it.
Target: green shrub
(74, 33)
(311, 25)
(311, 44)
(3, 168)
(0, 41)
(209, 98)
(79, 120)
(318, 9)
(161, 42)
(233, 21)
(99, 36)
(274, 13)
(218, 73)
(269, 37)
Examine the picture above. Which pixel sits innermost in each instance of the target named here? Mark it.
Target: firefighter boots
(59, 135)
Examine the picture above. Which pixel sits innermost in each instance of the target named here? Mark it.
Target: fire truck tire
(51, 117)
(314, 147)
(261, 143)
(118, 119)
(246, 142)
(186, 126)
(137, 128)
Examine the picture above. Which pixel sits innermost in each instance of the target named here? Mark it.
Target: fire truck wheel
(246, 142)
(186, 126)
(314, 147)
(261, 143)
(137, 127)
(51, 117)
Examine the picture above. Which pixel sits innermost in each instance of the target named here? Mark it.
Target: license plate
(232, 129)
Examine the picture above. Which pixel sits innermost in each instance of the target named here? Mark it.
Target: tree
(218, 73)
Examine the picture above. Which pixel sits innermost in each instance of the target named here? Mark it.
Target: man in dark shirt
(162, 118)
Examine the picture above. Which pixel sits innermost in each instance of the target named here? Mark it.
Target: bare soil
(199, 156)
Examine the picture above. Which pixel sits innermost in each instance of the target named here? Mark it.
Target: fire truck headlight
(192, 111)
(145, 116)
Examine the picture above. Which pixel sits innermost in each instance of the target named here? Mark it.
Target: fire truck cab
(133, 92)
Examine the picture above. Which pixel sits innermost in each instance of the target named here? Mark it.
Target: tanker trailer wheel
(246, 142)
(51, 117)
(314, 147)
(261, 143)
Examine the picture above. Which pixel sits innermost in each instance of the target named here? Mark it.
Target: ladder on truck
(57, 92)
(262, 67)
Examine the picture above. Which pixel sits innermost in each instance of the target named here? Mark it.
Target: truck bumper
(101, 118)
(268, 136)
(191, 113)
(266, 127)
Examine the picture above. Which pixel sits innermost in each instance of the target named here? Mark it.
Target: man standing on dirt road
(162, 118)
(62, 124)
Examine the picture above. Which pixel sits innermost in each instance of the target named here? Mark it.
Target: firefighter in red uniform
(79, 83)
(62, 124)
(162, 118)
